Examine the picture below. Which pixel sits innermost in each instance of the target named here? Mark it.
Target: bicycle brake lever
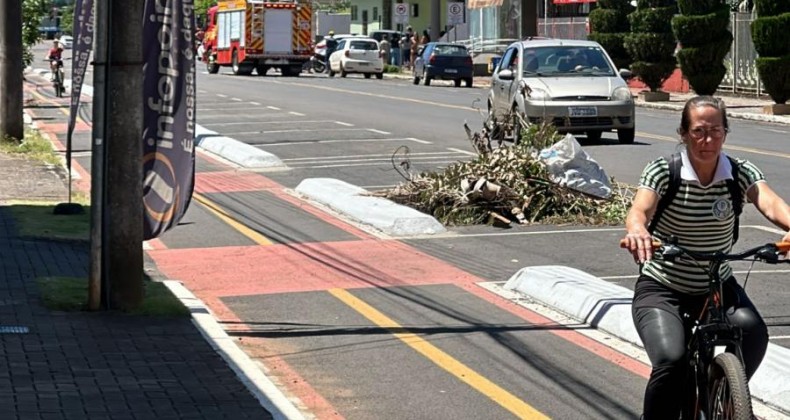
(768, 254)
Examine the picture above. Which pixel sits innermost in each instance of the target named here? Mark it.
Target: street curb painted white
(267, 393)
(235, 151)
(741, 115)
(380, 213)
(607, 306)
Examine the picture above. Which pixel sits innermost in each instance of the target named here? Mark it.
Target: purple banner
(169, 113)
(82, 47)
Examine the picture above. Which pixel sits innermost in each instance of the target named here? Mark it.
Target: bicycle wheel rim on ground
(729, 390)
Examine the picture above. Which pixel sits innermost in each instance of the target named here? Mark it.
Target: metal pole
(545, 18)
(97, 282)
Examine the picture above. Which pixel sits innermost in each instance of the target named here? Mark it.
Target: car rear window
(566, 60)
(454, 50)
(364, 45)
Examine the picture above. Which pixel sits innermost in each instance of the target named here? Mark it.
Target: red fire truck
(258, 34)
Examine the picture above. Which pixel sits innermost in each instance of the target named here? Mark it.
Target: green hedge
(608, 20)
(653, 74)
(703, 67)
(771, 7)
(697, 7)
(650, 47)
(622, 5)
(648, 4)
(771, 35)
(693, 31)
(613, 44)
(775, 74)
(652, 20)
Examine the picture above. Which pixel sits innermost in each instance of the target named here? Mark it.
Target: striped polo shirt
(700, 217)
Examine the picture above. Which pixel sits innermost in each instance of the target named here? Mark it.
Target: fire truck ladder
(256, 35)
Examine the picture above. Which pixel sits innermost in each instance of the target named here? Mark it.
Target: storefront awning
(572, 1)
(479, 4)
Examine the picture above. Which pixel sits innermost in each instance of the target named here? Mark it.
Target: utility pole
(117, 150)
(11, 68)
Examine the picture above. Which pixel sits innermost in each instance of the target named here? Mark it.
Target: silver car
(572, 84)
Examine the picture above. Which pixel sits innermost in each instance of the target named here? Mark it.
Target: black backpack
(675, 163)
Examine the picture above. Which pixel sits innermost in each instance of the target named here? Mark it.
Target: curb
(385, 215)
(235, 151)
(264, 390)
(607, 307)
(740, 115)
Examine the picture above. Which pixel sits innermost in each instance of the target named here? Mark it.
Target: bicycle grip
(656, 244)
(783, 246)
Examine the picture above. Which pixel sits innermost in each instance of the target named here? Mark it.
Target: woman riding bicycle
(55, 58)
(701, 218)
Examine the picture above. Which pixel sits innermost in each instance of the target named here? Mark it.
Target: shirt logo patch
(722, 209)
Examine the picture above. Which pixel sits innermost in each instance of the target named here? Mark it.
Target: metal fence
(741, 76)
(564, 28)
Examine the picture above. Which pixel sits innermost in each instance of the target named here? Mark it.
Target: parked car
(445, 61)
(572, 84)
(66, 41)
(357, 55)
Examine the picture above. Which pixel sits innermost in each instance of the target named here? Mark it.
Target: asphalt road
(361, 327)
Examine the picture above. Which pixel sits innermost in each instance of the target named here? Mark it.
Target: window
(375, 13)
(507, 59)
(363, 46)
(354, 13)
(451, 50)
(415, 10)
(365, 16)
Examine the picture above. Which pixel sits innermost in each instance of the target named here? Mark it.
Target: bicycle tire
(729, 397)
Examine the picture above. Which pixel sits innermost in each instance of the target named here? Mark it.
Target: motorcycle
(318, 63)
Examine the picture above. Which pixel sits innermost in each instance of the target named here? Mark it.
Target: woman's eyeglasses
(700, 133)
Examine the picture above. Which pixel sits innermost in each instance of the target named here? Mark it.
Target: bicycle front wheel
(729, 389)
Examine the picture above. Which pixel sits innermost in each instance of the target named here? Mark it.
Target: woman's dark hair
(698, 101)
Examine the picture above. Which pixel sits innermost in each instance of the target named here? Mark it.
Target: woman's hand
(640, 243)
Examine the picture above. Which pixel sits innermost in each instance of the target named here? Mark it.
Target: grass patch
(37, 220)
(34, 146)
(71, 294)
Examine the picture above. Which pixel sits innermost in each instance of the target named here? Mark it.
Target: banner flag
(82, 47)
(169, 113)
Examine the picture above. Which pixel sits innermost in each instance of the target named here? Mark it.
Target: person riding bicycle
(701, 218)
(55, 57)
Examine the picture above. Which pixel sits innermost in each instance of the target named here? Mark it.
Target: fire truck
(258, 34)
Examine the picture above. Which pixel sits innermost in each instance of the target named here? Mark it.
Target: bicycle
(718, 388)
(56, 67)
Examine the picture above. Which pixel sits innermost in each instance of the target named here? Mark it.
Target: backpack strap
(675, 163)
(736, 196)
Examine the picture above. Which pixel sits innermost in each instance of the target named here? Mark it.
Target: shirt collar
(723, 169)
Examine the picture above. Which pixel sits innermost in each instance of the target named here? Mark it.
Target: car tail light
(432, 60)
(469, 61)
(347, 54)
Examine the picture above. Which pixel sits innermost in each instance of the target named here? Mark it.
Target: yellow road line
(481, 384)
(225, 217)
(726, 146)
(65, 108)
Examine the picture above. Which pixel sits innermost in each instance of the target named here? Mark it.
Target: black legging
(657, 313)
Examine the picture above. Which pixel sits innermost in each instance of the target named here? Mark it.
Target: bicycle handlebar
(768, 252)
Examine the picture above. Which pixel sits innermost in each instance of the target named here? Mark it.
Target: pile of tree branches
(508, 184)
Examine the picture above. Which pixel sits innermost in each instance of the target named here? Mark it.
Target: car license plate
(363, 64)
(450, 71)
(583, 111)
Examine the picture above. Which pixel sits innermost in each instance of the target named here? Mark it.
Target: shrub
(775, 74)
(771, 7)
(770, 36)
(609, 24)
(650, 42)
(697, 7)
(652, 20)
(705, 41)
(695, 31)
(771, 42)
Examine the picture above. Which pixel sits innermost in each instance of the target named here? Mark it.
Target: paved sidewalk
(81, 365)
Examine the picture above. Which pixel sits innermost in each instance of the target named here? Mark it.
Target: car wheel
(211, 66)
(331, 73)
(261, 70)
(379, 76)
(457, 82)
(426, 79)
(626, 135)
(343, 72)
(367, 75)
(594, 135)
(469, 82)
(416, 80)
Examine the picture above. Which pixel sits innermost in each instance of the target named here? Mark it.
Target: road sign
(455, 13)
(400, 13)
